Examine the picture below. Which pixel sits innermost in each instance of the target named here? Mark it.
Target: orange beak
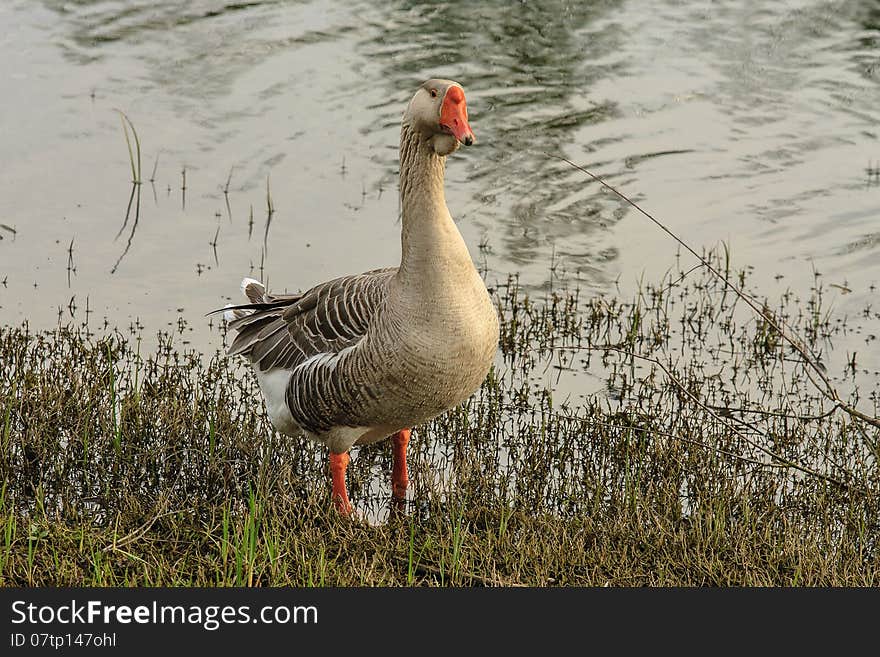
(453, 116)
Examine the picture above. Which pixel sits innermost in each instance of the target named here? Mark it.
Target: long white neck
(433, 252)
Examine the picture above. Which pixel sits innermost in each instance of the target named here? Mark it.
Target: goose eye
(433, 93)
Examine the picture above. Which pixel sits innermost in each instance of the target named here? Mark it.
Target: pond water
(751, 123)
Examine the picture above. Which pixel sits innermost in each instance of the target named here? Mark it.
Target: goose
(365, 357)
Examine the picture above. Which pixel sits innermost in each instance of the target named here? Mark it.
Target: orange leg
(399, 477)
(338, 465)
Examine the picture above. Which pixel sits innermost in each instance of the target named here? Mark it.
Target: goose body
(363, 357)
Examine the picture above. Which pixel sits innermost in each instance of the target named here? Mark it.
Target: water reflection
(528, 69)
(752, 122)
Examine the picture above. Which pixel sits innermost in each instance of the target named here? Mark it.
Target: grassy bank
(712, 453)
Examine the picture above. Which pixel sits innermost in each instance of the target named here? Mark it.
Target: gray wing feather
(326, 319)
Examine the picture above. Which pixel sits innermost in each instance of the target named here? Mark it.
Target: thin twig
(766, 450)
(135, 168)
(827, 388)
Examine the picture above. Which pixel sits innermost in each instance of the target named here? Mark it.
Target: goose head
(438, 112)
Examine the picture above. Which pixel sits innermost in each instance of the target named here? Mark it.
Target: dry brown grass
(709, 460)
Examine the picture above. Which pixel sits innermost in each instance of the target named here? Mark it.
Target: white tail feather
(229, 315)
(247, 281)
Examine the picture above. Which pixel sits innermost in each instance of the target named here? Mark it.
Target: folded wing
(284, 331)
